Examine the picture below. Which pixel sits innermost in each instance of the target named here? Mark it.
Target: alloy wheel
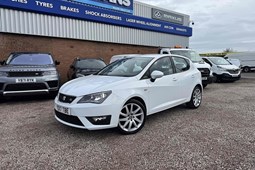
(132, 117)
(197, 97)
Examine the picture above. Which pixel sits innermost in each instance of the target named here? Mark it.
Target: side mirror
(57, 62)
(156, 75)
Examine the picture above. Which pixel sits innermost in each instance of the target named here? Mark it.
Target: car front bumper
(229, 77)
(40, 85)
(87, 115)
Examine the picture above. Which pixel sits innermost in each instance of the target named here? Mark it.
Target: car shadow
(68, 130)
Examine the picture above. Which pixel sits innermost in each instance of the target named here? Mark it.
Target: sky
(218, 24)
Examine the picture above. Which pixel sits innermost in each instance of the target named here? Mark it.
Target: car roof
(178, 49)
(141, 55)
(78, 58)
(148, 55)
(29, 53)
(213, 57)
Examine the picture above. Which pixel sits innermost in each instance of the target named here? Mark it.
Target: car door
(162, 92)
(184, 79)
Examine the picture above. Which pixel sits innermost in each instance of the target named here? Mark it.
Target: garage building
(88, 28)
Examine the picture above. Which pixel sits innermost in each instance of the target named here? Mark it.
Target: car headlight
(222, 69)
(47, 73)
(3, 74)
(96, 98)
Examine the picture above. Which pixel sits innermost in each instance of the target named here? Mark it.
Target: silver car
(29, 74)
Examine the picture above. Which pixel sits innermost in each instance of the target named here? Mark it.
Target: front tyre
(132, 117)
(196, 98)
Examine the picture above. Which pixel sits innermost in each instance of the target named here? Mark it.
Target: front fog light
(100, 120)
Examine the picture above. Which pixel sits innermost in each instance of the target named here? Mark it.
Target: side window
(181, 64)
(164, 65)
(165, 52)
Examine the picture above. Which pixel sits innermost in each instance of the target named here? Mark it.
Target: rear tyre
(246, 69)
(196, 98)
(132, 117)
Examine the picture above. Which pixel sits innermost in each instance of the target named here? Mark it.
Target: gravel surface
(218, 135)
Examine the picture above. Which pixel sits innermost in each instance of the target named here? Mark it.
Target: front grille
(26, 86)
(25, 74)
(68, 118)
(65, 98)
(205, 72)
(52, 83)
(233, 71)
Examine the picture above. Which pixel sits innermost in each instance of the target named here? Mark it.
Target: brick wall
(65, 50)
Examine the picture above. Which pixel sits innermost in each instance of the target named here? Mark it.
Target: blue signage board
(118, 5)
(73, 10)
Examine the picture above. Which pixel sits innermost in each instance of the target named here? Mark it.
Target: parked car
(29, 73)
(247, 60)
(126, 91)
(234, 61)
(84, 66)
(199, 63)
(222, 69)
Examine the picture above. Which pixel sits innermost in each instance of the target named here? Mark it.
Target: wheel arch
(200, 87)
(140, 100)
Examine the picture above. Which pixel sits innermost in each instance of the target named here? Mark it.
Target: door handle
(193, 76)
(174, 79)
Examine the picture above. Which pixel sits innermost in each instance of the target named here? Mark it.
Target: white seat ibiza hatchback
(128, 90)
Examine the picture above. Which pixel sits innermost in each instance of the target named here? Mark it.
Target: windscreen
(127, 67)
(29, 59)
(192, 55)
(90, 63)
(219, 61)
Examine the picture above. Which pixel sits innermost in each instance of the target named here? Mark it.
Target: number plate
(235, 75)
(204, 78)
(25, 80)
(62, 109)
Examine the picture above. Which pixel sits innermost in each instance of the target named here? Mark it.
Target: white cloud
(219, 24)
